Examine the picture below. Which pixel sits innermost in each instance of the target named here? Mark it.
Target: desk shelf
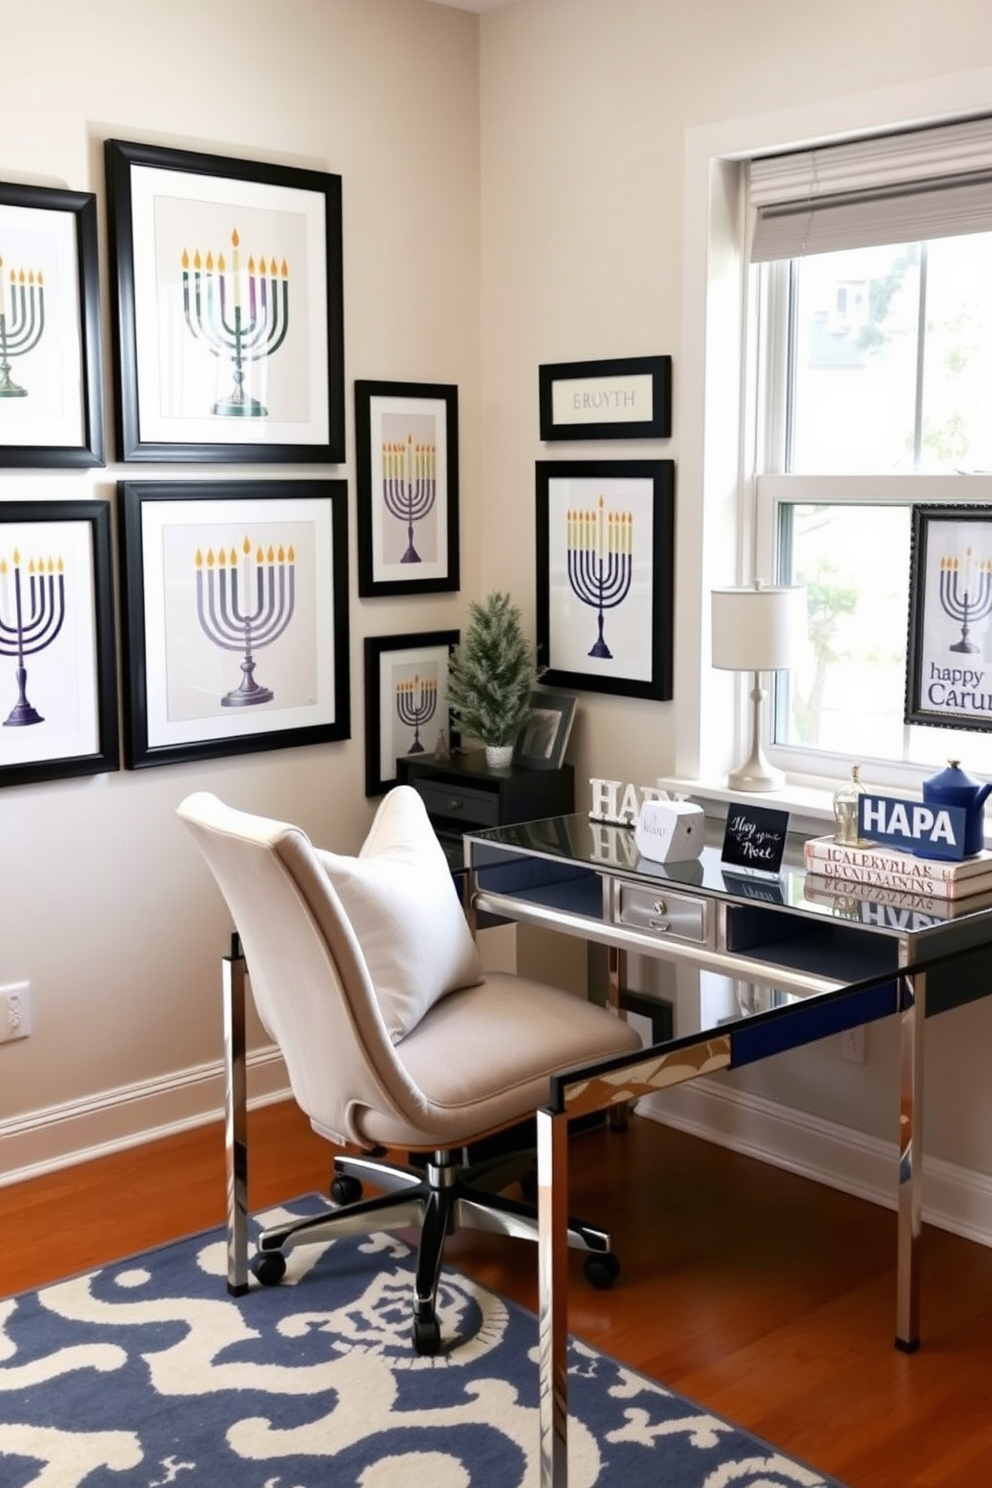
(844, 953)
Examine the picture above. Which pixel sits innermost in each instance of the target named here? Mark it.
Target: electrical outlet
(15, 1011)
(852, 1045)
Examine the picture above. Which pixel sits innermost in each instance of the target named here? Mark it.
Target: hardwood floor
(765, 1297)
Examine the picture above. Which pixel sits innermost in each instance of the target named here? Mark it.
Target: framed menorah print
(605, 575)
(228, 311)
(406, 469)
(406, 701)
(235, 617)
(949, 652)
(51, 358)
(58, 671)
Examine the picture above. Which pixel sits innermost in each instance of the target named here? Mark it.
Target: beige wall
(104, 904)
(598, 125)
(514, 193)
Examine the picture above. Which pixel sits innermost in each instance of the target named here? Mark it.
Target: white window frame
(718, 512)
(764, 493)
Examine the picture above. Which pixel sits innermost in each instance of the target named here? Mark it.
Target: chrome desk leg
(910, 1163)
(552, 1272)
(552, 1244)
(236, 1119)
(617, 1116)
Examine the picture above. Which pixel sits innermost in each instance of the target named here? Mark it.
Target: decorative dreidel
(846, 811)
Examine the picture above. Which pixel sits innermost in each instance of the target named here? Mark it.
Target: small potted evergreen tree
(491, 673)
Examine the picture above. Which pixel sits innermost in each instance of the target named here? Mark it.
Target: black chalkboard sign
(755, 838)
(760, 886)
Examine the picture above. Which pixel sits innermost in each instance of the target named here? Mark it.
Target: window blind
(898, 188)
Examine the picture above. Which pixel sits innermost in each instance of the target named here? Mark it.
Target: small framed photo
(51, 359)
(228, 308)
(605, 575)
(542, 741)
(406, 701)
(626, 398)
(236, 617)
(949, 655)
(58, 665)
(406, 468)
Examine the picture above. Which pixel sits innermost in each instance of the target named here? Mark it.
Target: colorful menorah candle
(409, 485)
(32, 611)
(600, 549)
(416, 702)
(966, 595)
(22, 322)
(213, 305)
(244, 603)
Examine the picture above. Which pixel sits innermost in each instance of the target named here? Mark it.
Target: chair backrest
(309, 978)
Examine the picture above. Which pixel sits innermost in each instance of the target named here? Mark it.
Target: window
(872, 277)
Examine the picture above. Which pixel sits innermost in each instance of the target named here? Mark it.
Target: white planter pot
(499, 756)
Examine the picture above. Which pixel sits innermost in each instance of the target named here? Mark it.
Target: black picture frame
(658, 1012)
(948, 676)
(184, 630)
(185, 229)
(394, 556)
(389, 661)
(580, 503)
(542, 741)
(51, 411)
(54, 731)
(622, 398)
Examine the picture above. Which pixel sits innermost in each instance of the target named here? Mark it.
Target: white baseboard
(61, 1136)
(954, 1198)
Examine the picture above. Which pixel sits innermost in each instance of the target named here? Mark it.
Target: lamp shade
(758, 629)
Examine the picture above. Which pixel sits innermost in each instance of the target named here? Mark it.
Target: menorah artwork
(244, 604)
(416, 703)
(32, 612)
(600, 547)
(22, 322)
(409, 486)
(966, 595)
(213, 304)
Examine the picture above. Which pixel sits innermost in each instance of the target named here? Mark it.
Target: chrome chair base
(445, 1197)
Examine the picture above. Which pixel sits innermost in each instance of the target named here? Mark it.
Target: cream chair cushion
(404, 908)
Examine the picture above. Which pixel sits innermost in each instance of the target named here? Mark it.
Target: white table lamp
(758, 629)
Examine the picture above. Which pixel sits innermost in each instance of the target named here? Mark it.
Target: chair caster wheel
(346, 1190)
(426, 1335)
(601, 1270)
(269, 1267)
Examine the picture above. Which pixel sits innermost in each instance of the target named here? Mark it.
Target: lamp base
(756, 774)
(749, 778)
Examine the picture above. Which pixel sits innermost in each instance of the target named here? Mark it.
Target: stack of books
(891, 907)
(889, 868)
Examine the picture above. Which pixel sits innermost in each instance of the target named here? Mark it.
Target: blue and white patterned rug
(145, 1373)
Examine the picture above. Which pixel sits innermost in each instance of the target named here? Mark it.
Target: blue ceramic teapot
(952, 787)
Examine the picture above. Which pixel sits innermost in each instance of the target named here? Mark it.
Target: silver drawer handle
(660, 924)
(454, 804)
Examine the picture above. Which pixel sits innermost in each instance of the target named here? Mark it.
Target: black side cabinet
(462, 793)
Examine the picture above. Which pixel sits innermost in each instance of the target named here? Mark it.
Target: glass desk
(835, 961)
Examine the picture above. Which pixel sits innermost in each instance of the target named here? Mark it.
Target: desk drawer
(656, 908)
(476, 808)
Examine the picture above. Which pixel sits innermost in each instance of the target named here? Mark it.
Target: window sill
(810, 807)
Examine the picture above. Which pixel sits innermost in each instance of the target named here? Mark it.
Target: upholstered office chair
(365, 974)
